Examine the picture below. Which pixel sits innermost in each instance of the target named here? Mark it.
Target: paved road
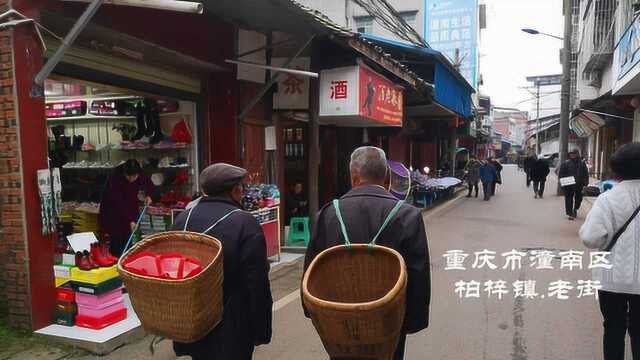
(485, 328)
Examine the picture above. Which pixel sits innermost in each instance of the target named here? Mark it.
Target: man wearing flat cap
(246, 321)
(574, 167)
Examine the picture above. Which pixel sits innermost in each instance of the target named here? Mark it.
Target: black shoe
(535, 196)
(140, 133)
(469, 195)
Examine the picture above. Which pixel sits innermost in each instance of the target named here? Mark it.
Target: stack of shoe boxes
(99, 297)
(66, 308)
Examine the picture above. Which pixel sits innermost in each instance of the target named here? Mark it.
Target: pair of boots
(148, 122)
(98, 257)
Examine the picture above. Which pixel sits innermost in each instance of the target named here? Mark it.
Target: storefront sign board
(625, 60)
(361, 93)
(293, 90)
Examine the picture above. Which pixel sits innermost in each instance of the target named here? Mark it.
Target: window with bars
(364, 24)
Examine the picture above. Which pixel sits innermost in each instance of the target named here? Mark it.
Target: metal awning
(273, 15)
(585, 124)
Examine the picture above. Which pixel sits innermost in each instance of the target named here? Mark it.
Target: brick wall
(13, 267)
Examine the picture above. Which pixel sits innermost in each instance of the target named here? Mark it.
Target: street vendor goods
(190, 307)
(166, 266)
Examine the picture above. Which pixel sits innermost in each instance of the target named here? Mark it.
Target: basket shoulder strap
(390, 217)
(221, 220)
(343, 227)
(186, 222)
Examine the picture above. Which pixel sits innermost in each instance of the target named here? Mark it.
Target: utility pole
(566, 87)
(537, 119)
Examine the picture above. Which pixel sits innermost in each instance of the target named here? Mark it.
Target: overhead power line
(387, 16)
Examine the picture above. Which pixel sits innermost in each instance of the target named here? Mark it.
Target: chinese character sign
(339, 92)
(451, 25)
(380, 99)
(360, 93)
(293, 90)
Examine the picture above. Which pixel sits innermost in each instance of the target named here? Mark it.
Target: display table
(269, 219)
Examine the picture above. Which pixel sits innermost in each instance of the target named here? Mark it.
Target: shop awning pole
(190, 7)
(38, 87)
(275, 68)
(274, 78)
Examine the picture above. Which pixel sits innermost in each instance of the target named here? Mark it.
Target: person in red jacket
(120, 205)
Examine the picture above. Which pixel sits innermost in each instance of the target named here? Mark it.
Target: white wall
(344, 12)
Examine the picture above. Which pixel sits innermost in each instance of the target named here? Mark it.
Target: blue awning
(452, 91)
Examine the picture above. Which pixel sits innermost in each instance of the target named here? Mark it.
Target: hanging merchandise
(57, 195)
(50, 190)
(141, 130)
(181, 133)
(152, 121)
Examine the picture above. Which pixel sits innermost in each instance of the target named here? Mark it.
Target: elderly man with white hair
(364, 210)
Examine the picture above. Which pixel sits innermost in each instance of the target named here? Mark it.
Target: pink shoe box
(106, 309)
(98, 301)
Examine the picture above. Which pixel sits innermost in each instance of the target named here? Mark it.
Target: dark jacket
(246, 320)
(298, 202)
(120, 205)
(528, 162)
(496, 164)
(540, 170)
(364, 209)
(473, 170)
(488, 173)
(576, 168)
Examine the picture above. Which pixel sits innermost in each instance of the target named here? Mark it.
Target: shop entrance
(96, 133)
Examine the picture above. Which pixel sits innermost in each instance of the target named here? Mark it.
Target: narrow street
(482, 328)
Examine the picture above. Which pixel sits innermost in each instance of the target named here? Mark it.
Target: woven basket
(356, 299)
(181, 310)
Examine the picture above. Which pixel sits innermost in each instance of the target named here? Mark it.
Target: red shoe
(82, 262)
(98, 257)
(87, 256)
(104, 250)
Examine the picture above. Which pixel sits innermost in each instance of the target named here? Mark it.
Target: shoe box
(99, 311)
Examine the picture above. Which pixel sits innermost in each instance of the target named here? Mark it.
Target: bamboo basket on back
(356, 297)
(181, 310)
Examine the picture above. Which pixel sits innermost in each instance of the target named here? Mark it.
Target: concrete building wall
(349, 14)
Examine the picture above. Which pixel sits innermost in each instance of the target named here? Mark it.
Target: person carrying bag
(613, 225)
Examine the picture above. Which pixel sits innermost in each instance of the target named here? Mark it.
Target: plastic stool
(299, 230)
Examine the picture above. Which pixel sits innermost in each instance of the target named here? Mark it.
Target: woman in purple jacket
(120, 206)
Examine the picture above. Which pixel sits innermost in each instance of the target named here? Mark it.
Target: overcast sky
(508, 55)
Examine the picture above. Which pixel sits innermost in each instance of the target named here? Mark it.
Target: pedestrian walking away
(498, 180)
(613, 225)
(528, 165)
(364, 210)
(539, 172)
(246, 318)
(472, 170)
(488, 176)
(576, 172)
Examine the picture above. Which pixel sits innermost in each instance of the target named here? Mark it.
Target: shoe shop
(109, 145)
(105, 142)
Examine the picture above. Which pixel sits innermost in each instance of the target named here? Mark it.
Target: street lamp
(536, 32)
